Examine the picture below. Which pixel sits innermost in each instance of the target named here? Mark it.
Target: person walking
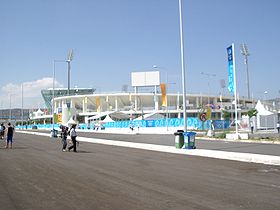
(10, 134)
(278, 126)
(73, 135)
(64, 134)
(252, 126)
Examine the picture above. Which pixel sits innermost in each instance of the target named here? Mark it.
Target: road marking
(237, 156)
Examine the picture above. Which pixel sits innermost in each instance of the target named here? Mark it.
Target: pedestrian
(131, 127)
(64, 134)
(10, 135)
(73, 135)
(278, 126)
(252, 126)
(2, 131)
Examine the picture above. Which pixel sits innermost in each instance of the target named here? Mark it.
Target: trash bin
(54, 133)
(189, 140)
(179, 138)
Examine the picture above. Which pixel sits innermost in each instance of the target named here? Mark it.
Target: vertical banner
(232, 83)
(97, 101)
(208, 113)
(163, 94)
(231, 69)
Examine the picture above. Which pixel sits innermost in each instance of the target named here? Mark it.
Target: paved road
(229, 146)
(257, 148)
(37, 175)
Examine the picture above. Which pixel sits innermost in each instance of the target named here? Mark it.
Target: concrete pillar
(197, 104)
(156, 99)
(116, 104)
(135, 99)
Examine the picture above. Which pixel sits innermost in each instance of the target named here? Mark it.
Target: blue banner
(230, 70)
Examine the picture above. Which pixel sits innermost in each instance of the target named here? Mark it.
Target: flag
(97, 101)
(163, 93)
(208, 113)
(230, 54)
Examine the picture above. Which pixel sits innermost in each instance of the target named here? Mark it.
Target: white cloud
(32, 97)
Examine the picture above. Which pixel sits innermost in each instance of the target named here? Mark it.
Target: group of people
(9, 134)
(73, 134)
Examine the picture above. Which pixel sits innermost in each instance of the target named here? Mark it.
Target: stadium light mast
(53, 89)
(209, 91)
(244, 51)
(69, 59)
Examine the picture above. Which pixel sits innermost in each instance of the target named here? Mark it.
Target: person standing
(252, 126)
(10, 134)
(278, 126)
(73, 135)
(64, 134)
(2, 129)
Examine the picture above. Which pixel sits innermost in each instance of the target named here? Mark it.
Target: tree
(225, 114)
(252, 112)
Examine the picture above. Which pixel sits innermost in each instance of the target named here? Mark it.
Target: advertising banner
(97, 101)
(163, 94)
(230, 69)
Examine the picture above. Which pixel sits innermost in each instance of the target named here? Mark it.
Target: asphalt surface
(164, 139)
(256, 148)
(35, 174)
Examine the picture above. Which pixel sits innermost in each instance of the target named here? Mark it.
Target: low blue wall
(192, 123)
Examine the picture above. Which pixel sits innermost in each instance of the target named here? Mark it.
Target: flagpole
(235, 92)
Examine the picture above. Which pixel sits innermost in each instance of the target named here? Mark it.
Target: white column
(116, 104)
(55, 107)
(84, 106)
(135, 99)
(156, 99)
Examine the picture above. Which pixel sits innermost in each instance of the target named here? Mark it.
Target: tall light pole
(265, 93)
(53, 91)
(10, 111)
(244, 51)
(183, 64)
(69, 59)
(166, 87)
(208, 76)
(22, 106)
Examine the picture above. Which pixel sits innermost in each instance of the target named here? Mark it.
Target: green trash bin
(179, 139)
(189, 140)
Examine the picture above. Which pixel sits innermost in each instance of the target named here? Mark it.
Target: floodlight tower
(208, 76)
(69, 59)
(244, 51)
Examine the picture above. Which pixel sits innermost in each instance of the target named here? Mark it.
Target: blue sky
(115, 37)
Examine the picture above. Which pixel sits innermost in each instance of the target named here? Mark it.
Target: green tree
(252, 112)
(225, 114)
